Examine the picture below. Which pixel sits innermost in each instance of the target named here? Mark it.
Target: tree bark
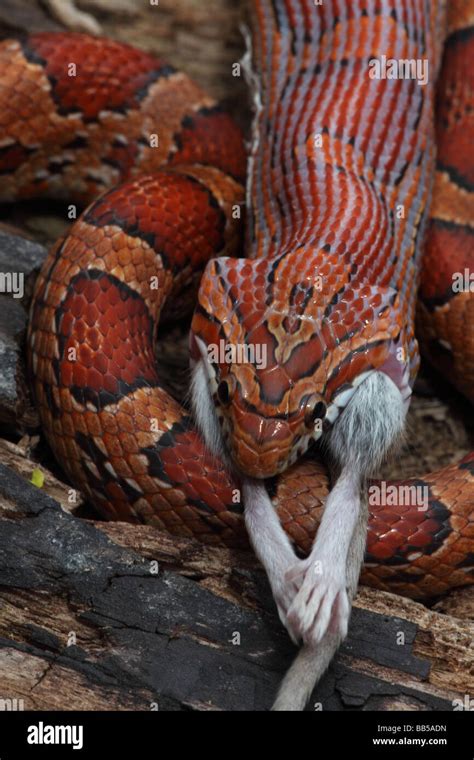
(104, 616)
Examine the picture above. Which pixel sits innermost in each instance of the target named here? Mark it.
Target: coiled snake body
(340, 182)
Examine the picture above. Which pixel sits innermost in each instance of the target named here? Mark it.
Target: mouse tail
(308, 667)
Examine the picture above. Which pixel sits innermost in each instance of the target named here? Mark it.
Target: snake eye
(315, 410)
(225, 390)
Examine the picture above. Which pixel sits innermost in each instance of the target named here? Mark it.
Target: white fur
(370, 425)
(203, 408)
(312, 662)
(271, 544)
(313, 596)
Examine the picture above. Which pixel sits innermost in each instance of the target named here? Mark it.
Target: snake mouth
(263, 447)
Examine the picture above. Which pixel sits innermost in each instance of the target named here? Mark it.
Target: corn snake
(94, 295)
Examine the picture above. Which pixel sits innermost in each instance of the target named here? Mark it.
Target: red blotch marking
(111, 348)
(110, 75)
(171, 212)
(189, 466)
(213, 138)
(448, 251)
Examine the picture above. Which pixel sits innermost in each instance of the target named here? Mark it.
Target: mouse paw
(321, 603)
(284, 592)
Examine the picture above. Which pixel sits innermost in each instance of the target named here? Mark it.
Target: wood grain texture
(137, 637)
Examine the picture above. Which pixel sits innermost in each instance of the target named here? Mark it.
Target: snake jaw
(264, 446)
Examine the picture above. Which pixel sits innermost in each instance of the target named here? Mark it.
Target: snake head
(279, 347)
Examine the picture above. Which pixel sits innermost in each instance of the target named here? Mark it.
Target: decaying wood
(18, 458)
(104, 616)
(114, 616)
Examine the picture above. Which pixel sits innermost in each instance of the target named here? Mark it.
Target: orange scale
(394, 539)
(80, 332)
(406, 528)
(93, 338)
(95, 379)
(106, 382)
(85, 356)
(122, 331)
(381, 550)
(79, 375)
(102, 248)
(77, 306)
(107, 350)
(114, 339)
(114, 491)
(80, 285)
(104, 285)
(176, 472)
(246, 271)
(120, 361)
(212, 501)
(377, 528)
(90, 315)
(246, 284)
(194, 469)
(421, 538)
(127, 424)
(67, 374)
(231, 276)
(390, 517)
(415, 518)
(378, 354)
(113, 295)
(129, 374)
(112, 321)
(301, 266)
(345, 374)
(261, 266)
(376, 300)
(124, 308)
(431, 526)
(91, 293)
(101, 363)
(186, 452)
(103, 328)
(129, 351)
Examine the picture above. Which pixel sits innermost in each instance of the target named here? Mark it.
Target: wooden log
(114, 616)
